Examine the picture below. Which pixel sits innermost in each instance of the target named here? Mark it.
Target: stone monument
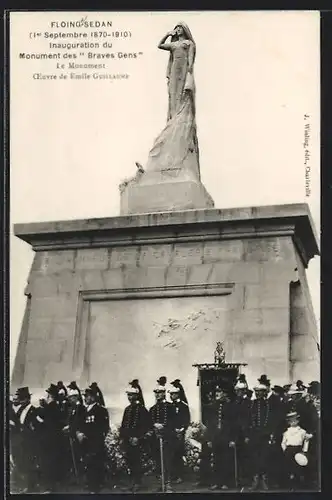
(171, 179)
(152, 291)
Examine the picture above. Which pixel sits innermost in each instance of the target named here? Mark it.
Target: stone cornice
(168, 227)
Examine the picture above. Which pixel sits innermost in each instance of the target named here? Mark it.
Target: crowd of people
(253, 440)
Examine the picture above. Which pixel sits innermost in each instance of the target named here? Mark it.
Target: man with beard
(260, 436)
(135, 425)
(181, 423)
(162, 417)
(24, 445)
(221, 435)
(91, 434)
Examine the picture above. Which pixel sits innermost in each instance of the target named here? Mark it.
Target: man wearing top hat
(181, 419)
(91, 434)
(221, 436)
(24, 446)
(51, 439)
(260, 436)
(134, 428)
(162, 418)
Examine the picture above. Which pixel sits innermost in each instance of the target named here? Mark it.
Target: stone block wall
(253, 264)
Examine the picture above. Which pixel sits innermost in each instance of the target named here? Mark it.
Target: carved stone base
(112, 299)
(166, 196)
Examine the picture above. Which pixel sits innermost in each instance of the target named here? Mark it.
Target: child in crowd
(295, 444)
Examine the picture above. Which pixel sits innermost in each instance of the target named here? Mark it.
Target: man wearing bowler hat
(91, 433)
(135, 425)
(24, 445)
(181, 419)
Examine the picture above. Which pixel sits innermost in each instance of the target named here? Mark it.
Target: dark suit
(276, 460)
(94, 425)
(52, 444)
(136, 422)
(24, 445)
(181, 420)
(220, 432)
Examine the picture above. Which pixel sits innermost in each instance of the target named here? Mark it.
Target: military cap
(173, 389)
(132, 390)
(260, 387)
(73, 392)
(159, 388)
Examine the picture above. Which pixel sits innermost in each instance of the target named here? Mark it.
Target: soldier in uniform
(62, 390)
(182, 395)
(76, 412)
(134, 428)
(136, 385)
(181, 423)
(220, 432)
(99, 395)
(260, 436)
(241, 405)
(162, 417)
(23, 443)
(91, 434)
(73, 385)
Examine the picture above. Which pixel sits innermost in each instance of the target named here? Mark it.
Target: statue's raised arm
(166, 46)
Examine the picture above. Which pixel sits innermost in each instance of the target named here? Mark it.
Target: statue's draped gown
(175, 151)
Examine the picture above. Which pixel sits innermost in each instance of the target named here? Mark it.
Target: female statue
(175, 151)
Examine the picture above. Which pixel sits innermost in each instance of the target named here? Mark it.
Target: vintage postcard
(165, 221)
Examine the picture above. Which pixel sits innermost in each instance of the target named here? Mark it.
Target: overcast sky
(74, 141)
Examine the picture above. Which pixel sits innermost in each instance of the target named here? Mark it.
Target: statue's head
(179, 30)
(183, 31)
